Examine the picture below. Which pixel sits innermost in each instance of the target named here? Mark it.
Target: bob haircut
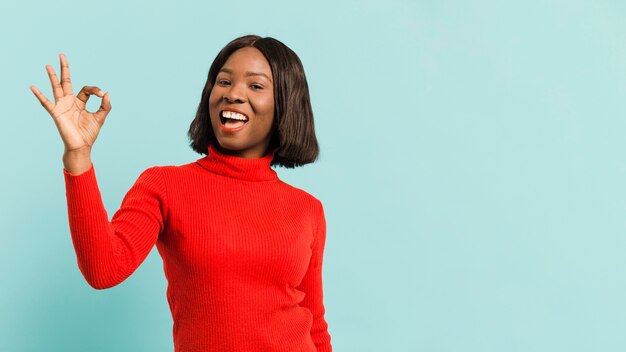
(293, 138)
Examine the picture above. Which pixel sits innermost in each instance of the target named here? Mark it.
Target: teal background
(472, 166)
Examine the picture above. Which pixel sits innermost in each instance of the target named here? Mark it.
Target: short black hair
(293, 132)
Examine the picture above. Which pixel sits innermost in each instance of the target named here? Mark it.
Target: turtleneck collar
(257, 169)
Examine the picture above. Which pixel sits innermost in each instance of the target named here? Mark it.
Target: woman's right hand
(78, 127)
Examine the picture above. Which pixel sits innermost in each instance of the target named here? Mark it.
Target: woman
(242, 250)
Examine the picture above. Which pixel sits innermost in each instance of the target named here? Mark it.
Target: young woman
(242, 250)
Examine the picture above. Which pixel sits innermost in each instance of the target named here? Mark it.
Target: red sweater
(242, 251)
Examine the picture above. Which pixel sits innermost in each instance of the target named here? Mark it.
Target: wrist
(81, 152)
(77, 161)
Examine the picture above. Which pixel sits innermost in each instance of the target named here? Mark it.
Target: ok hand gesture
(78, 127)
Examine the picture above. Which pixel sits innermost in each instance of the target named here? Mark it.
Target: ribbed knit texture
(242, 251)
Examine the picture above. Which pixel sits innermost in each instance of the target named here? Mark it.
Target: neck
(246, 154)
(220, 162)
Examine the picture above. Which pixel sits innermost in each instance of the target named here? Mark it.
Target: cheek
(213, 103)
(267, 105)
(214, 96)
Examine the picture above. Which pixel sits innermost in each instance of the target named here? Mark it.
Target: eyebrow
(247, 73)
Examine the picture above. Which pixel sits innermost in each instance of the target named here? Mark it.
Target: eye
(223, 82)
(256, 87)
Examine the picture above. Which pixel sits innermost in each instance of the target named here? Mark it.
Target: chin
(229, 145)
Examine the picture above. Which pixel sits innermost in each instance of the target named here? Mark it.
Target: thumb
(105, 108)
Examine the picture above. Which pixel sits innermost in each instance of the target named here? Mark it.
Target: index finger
(66, 83)
(47, 104)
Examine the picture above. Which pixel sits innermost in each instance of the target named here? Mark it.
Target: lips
(232, 121)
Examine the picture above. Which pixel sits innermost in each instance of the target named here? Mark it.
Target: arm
(312, 286)
(110, 251)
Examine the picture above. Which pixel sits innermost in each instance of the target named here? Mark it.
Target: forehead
(247, 60)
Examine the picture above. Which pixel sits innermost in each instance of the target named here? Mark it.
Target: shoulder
(312, 201)
(169, 172)
(166, 177)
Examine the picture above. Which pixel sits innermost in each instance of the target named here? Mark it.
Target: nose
(234, 94)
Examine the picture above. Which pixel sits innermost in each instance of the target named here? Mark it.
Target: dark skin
(244, 84)
(78, 127)
(252, 95)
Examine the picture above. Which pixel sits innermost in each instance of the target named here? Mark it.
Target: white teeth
(234, 115)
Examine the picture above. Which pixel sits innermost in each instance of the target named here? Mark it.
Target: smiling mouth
(231, 119)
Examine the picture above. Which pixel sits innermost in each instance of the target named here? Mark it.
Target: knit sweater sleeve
(110, 251)
(312, 286)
